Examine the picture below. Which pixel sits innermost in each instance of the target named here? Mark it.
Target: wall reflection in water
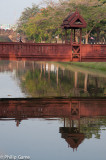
(43, 79)
(81, 117)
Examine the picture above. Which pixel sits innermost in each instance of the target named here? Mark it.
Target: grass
(93, 65)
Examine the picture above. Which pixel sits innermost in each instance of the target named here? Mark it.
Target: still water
(42, 79)
(52, 111)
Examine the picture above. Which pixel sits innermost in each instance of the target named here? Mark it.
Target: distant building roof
(7, 26)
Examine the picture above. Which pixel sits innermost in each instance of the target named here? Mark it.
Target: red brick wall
(53, 52)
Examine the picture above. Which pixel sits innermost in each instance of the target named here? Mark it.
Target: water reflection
(82, 118)
(71, 124)
(65, 111)
(43, 79)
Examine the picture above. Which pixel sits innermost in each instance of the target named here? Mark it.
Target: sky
(10, 10)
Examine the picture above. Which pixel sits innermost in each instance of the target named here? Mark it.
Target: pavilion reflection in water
(72, 109)
(72, 136)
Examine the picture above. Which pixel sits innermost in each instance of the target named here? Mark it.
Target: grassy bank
(93, 65)
(75, 67)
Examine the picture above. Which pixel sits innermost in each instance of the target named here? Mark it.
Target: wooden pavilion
(74, 21)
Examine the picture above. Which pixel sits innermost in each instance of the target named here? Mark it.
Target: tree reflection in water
(42, 79)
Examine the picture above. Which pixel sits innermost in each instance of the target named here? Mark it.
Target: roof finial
(76, 11)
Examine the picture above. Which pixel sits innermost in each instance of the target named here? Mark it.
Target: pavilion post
(65, 36)
(74, 35)
(80, 35)
(64, 122)
(76, 79)
(85, 82)
(57, 78)
(71, 36)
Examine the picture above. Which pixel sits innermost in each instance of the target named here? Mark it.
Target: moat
(52, 110)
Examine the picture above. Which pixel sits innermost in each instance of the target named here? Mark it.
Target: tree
(44, 24)
(26, 15)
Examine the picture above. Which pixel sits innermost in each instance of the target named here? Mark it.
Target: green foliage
(92, 126)
(27, 14)
(44, 24)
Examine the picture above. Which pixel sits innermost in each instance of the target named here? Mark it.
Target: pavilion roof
(73, 139)
(74, 20)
